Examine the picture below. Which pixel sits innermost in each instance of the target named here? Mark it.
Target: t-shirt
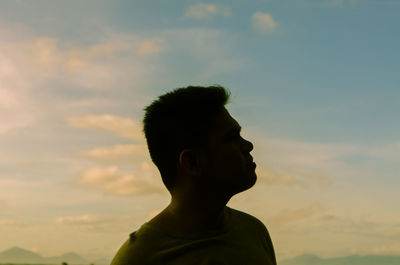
(242, 240)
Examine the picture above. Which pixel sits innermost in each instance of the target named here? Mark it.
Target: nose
(248, 146)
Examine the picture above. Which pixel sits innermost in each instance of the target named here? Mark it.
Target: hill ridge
(19, 255)
(311, 259)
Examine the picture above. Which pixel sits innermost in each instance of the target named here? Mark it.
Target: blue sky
(314, 85)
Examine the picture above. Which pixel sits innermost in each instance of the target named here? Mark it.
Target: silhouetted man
(203, 162)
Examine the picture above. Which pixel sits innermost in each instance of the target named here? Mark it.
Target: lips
(252, 165)
(250, 160)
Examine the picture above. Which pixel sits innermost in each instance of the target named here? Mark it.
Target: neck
(195, 215)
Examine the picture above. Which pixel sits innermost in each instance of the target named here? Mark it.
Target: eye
(236, 135)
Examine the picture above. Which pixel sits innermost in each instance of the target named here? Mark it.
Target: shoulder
(260, 229)
(254, 222)
(128, 253)
(243, 216)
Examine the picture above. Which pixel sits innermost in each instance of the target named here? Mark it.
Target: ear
(190, 162)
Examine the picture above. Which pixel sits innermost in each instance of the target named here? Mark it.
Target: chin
(252, 180)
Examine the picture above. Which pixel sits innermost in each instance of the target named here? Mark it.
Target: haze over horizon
(315, 87)
(18, 255)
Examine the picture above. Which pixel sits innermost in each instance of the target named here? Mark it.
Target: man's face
(230, 168)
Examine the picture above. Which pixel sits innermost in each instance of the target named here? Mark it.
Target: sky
(315, 88)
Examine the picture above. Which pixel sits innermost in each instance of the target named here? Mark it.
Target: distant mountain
(18, 255)
(101, 262)
(70, 258)
(309, 259)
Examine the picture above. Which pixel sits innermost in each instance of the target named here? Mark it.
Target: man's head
(193, 140)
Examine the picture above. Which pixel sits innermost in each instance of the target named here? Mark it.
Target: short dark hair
(178, 120)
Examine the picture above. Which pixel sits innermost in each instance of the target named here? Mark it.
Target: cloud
(289, 216)
(8, 222)
(293, 178)
(388, 152)
(119, 59)
(117, 153)
(339, 3)
(29, 63)
(263, 22)
(392, 249)
(52, 53)
(3, 204)
(121, 126)
(151, 46)
(208, 54)
(16, 108)
(300, 164)
(96, 222)
(86, 219)
(11, 222)
(112, 181)
(206, 11)
(285, 156)
(361, 226)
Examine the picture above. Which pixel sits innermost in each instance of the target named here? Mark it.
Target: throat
(188, 223)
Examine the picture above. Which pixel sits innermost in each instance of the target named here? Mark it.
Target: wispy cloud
(8, 222)
(151, 46)
(121, 126)
(210, 52)
(17, 110)
(387, 249)
(117, 153)
(29, 63)
(362, 226)
(299, 164)
(308, 153)
(96, 222)
(292, 178)
(289, 216)
(111, 180)
(86, 219)
(12, 223)
(389, 152)
(119, 59)
(207, 11)
(263, 22)
(3, 203)
(339, 3)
